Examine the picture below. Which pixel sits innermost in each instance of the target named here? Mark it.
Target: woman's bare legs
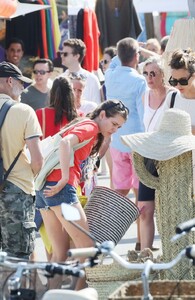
(54, 222)
(57, 235)
(146, 222)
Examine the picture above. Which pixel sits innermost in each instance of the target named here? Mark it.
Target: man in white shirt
(72, 56)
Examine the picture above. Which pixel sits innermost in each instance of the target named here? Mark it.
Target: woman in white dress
(153, 101)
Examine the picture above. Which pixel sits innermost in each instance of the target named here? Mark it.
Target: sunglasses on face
(181, 81)
(105, 62)
(41, 72)
(149, 74)
(65, 54)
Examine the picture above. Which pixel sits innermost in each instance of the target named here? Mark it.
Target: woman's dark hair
(44, 61)
(111, 108)
(183, 59)
(111, 51)
(62, 99)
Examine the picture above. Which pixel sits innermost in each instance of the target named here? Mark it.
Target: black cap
(10, 70)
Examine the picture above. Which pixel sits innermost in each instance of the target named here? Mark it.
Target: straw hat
(173, 137)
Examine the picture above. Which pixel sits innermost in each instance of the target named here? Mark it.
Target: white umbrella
(23, 9)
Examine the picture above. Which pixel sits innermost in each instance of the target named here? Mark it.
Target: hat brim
(159, 146)
(24, 79)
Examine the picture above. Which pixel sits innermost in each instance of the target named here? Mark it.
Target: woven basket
(109, 214)
(160, 290)
(174, 205)
(107, 278)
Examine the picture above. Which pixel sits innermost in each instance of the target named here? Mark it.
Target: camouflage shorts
(17, 227)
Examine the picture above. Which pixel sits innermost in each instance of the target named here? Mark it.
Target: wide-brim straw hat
(174, 137)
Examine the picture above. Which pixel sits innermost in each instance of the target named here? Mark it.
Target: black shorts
(144, 192)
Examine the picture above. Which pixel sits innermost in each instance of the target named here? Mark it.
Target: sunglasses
(105, 62)
(119, 104)
(181, 81)
(65, 54)
(150, 74)
(41, 72)
(78, 76)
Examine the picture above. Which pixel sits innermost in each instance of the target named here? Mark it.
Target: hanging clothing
(39, 31)
(80, 22)
(91, 40)
(27, 28)
(116, 20)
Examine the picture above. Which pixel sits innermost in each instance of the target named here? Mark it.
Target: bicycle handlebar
(51, 268)
(185, 226)
(107, 248)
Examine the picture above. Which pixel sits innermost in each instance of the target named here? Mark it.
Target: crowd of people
(132, 99)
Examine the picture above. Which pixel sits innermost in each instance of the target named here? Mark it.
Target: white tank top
(151, 116)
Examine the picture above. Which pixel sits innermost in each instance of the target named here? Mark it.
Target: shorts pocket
(28, 234)
(20, 238)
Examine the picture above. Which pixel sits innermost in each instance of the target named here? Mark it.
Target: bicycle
(21, 268)
(107, 248)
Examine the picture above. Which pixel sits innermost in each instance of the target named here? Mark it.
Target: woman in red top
(52, 119)
(61, 184)
(61, 110)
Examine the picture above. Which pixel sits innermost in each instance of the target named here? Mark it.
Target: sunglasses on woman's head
(119, 104)
(78, 76)
(181, 81)
(149, 74)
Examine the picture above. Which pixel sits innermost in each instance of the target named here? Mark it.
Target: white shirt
(91, 91)
(188, 105)
(87, 106)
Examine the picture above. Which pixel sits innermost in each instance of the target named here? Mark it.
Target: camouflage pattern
(17, 227)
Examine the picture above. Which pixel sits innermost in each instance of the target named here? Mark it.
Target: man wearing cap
(20, 129)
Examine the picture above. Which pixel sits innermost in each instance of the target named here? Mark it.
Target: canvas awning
(143, 6)
(24, 8)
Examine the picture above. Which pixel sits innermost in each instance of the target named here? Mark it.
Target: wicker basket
(107, 278)
(160, 290)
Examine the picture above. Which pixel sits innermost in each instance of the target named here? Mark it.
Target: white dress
(151, 116)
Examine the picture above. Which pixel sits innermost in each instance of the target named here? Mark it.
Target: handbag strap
(4, 109)
(173, 99)
(12, 165)
(43, 122)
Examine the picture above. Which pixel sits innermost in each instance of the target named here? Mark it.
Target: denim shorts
(67, 195)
